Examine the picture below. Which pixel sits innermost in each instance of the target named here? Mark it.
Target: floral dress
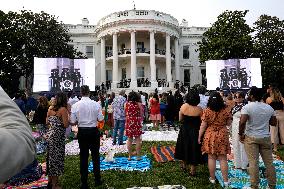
(133, 126)
(55, 147)
(216, 137)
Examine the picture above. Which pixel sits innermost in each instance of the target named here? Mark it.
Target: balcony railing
(141, 82)
(138, 14)
(138, 50)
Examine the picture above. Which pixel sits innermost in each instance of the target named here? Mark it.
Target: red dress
(133, 126)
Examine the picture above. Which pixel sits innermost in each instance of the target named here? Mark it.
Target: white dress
(240, 156)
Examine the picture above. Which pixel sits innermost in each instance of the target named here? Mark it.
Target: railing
(104, 86)
(162, 83)
(143, 82)
(138, 50)
(80, 27)
(138, 14)
(124, 83)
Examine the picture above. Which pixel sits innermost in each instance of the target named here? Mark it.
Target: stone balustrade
(138, 14)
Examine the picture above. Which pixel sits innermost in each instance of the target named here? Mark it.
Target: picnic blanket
(72, 148)
(122, 163)
(160, 136)
(40, 143)
(163, 153)
(40, 183)
(240, 179)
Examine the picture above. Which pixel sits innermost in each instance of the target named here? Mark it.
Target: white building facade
(141, 48)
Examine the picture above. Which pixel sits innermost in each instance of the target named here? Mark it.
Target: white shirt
(72, 101)
(143, 101)
(203, 101)
(259, 115)
(87, 112)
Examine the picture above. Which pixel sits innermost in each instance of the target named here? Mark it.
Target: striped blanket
(163, 153)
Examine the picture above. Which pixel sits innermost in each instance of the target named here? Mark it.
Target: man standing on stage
(86, 113)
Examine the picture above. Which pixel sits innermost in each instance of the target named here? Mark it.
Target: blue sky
(196, 12)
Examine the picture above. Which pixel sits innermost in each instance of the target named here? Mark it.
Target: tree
(26, 35)
(269, 47)
(9, 72)
(229, 37)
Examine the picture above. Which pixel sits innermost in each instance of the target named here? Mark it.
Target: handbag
(109, 109)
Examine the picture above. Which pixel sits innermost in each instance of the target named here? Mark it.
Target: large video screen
(233, 73)
(63, 74)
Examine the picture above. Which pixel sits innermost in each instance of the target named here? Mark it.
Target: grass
(160, 174)
(280, 152)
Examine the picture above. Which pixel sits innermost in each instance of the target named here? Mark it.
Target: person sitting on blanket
(30, 173)
(15, 133)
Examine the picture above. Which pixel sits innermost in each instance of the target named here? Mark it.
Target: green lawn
(160, 174)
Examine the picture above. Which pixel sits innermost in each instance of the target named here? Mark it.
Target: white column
(114, 61)
(177, 68)
(168, 60)
(133, 68)
(103, 60)
(154, 83)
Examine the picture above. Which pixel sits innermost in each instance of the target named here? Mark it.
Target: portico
(144, 49)
(148, 44)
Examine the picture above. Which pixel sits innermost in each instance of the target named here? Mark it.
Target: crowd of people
(254, 121)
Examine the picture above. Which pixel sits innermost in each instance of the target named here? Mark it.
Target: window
(141, 13)
(108, 51)
(140, 47)
(186, 52)
(186, 77)
(123, 73)
(203, 74)
(140, 72)
(90, 51)
(157, 74)
(122, 46)
(108, 48)
(125, 13)
(109, 75)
